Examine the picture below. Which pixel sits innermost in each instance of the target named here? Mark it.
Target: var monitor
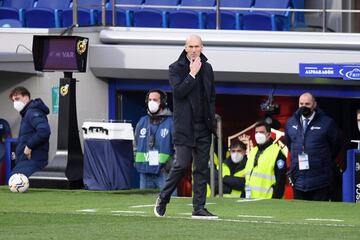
(60, 53)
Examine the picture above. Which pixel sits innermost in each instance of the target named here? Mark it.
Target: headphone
(163, 97)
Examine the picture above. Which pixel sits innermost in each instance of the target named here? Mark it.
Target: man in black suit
(192, 81)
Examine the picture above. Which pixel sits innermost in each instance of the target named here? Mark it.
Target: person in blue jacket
(32, 147)
(314, 142)
(153, 141)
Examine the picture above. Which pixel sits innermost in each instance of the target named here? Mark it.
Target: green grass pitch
(79, 214)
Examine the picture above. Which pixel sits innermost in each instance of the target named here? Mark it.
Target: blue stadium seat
(190, 18)
(120, 11)
(299, 17)
(123, 15)
(120, 17)
(88, 11)
(229, 19)
(15, 9)
(46, 14)
(10, 23)
(268, 20)
(149, 17)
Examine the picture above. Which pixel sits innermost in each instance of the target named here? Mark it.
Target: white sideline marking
(208, 203)
(185, 214)
(251, 200)
(129, 215)
(142, 206)
(120, 211)
(254, 216)
(324, 219)
(87, 210)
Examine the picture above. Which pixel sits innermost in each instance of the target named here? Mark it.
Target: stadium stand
(46, 14)
(190, 18)
(121, 18)
(229, 19)
(10, 23)
(15, 9)
(268, 20)
(88, 11)
(124, 15)
(154, 17)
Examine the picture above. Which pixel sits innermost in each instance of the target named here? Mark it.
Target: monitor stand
(66, 169)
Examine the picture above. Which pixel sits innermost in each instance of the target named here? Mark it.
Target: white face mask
(236, 157)
(260, 138)
(359, 126)
(18, 105)
(153, 106)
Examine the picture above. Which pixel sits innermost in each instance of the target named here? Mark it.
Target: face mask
(359, 126)
(260, 138)
(305, 111)
(18, 105)
(236, 157)
(153, 106)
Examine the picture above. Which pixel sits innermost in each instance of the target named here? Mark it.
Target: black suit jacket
(182, 84)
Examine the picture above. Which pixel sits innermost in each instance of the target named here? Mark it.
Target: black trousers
(322, 194)
(200, 154)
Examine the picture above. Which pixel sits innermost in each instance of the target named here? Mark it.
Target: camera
(269, 108)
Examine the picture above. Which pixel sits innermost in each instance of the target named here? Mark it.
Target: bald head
(193, 46)
(307, 101)
(192, 38)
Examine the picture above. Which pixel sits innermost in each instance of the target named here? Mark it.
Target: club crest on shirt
(280, 164)
(143, 132)
(164, 132)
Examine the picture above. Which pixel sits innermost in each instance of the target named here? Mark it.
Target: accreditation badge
(153, 157)
(303, 161)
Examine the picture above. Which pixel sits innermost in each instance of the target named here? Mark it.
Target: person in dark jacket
(192, 81)
(32, 147)
(314, 142)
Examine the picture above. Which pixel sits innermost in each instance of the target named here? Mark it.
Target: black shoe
(159, 208)
(203, 213)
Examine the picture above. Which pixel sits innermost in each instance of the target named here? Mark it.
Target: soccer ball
(18, 182)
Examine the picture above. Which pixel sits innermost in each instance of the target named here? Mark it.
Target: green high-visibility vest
(261, 178)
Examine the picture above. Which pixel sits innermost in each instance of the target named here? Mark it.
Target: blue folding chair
(149, 17)
(268, 20)
(229, 19)
(190, 18)
(46, 14)
(15, 9)
(10, 23)
(88, 11)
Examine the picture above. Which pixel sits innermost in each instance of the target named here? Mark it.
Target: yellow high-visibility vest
(261, 179)
(226, 172)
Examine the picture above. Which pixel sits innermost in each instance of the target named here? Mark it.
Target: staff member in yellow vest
(233, 172)
(265, 171)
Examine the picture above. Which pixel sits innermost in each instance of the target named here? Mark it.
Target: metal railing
(220, 158)
(324, 11)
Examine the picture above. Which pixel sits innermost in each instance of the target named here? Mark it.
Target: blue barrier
(351, 177)
(8, 142)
